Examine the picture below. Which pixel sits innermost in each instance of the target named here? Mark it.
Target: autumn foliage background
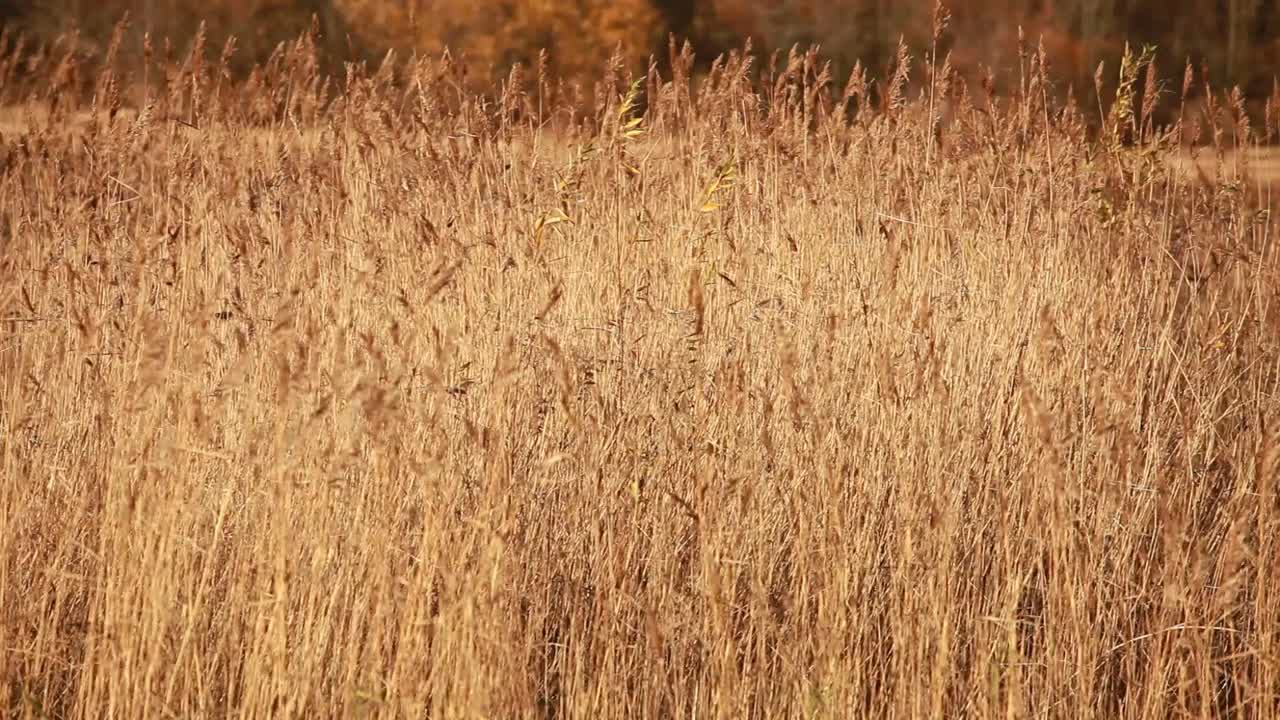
(1234, 42)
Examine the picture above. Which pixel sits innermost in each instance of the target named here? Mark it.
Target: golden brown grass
(384, 400)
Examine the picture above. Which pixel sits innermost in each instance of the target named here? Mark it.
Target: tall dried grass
(741, 397)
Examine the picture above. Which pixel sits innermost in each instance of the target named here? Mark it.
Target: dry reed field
(755, 394)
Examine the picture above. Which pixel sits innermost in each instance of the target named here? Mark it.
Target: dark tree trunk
(679, 14)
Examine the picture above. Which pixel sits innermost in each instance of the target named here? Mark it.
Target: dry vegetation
(732, 398)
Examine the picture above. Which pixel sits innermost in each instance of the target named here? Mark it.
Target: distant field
(1259, 166)
(716, 401)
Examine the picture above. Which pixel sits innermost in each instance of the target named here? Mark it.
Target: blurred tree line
(1237, 41)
